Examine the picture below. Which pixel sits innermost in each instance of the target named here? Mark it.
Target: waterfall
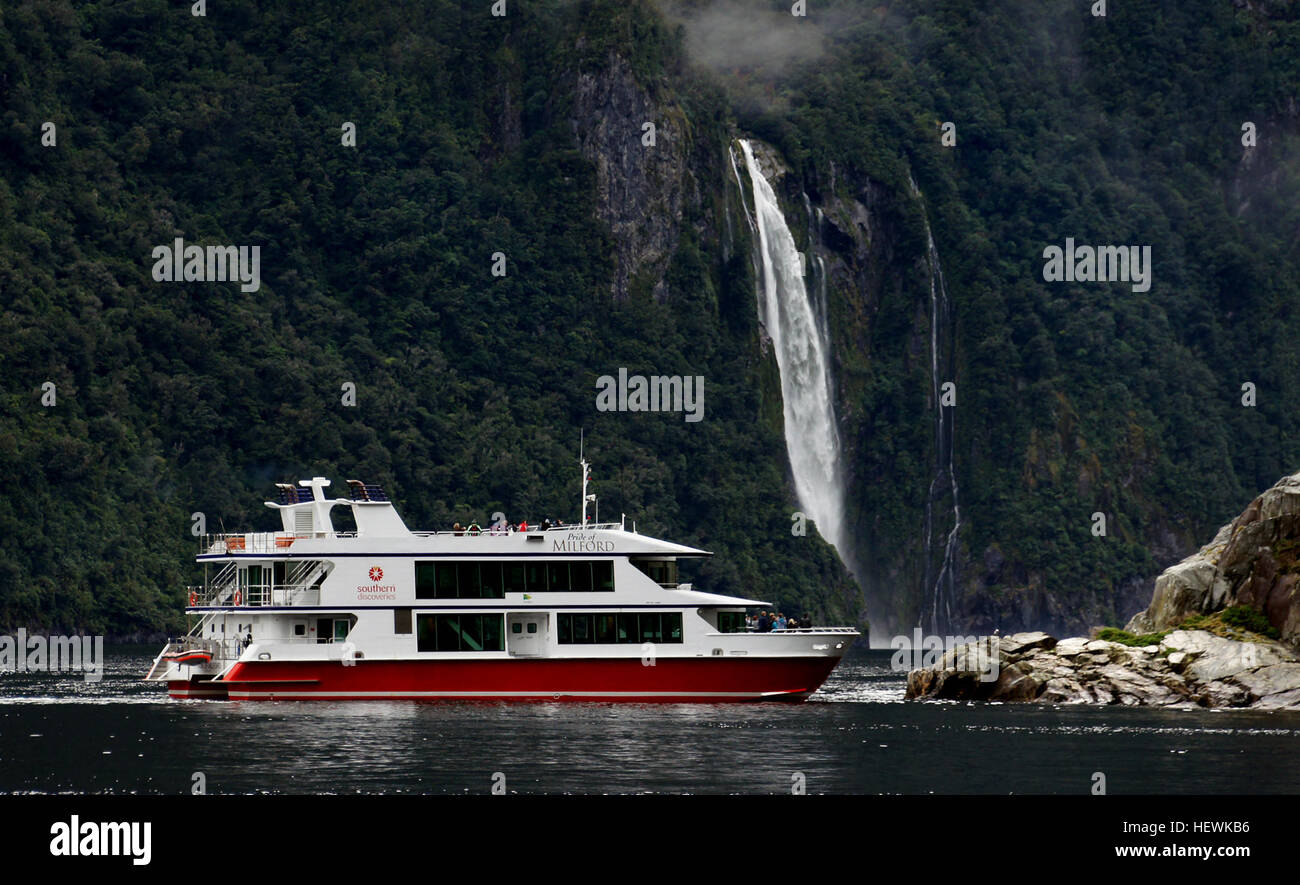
(940, 584)
(798, 329)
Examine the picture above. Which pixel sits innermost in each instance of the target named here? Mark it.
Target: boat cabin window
(333, 629)
(602, 629)
(731, 622)
(493, 580)
(459, 580)
(460, 632)
(662, 571)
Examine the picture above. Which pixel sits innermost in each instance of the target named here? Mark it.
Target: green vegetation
(1124, 637)
(1072, 398)
(1239, 622)
(1236, 622)
(174, 399)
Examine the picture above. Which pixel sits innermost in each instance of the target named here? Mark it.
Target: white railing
(258, 542)
(797, 630)
(222, 650)
(257, 595)
(234, 543)
(489, 531)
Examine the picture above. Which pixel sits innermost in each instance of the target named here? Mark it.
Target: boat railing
(803, 630)
(493, 531)
(221, 650)
(235, 543)
(258, 542)
(257, 596)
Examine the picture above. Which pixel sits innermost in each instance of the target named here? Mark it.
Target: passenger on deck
(764, 622)
(457, 529)
(523, 526)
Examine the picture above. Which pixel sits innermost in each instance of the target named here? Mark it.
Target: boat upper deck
(307, 530)
(610, 539)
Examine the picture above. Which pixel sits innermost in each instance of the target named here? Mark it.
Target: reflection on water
(60, 734)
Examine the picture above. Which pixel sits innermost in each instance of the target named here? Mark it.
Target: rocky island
(1222, 630)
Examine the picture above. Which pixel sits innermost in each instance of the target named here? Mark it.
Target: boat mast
(582, 461)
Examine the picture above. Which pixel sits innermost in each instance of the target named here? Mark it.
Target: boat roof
(308, 530)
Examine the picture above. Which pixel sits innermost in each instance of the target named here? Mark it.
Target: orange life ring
(194, 598)
(238, 597)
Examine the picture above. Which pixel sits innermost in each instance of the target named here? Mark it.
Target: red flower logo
(376, 573)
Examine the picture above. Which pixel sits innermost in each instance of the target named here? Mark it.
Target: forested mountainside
(524, 135)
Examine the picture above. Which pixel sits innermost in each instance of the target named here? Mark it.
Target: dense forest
(479, 136)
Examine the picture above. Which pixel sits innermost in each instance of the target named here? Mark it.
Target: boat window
(460, 632)
(582, 631)
(458, 580)
(448, 635)
(627, 628)
(401, 620)
(493, 580)
(492, 632)
(514, 577)
(557, 576)
(650, 628)
(426, 586)
(467, 575)
(490, 586)
(662, 571)
(599, 628)
(446, 580)
(580, 576)
(731, 622)
(536, 577)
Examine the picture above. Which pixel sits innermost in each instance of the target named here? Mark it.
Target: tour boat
(586, 612)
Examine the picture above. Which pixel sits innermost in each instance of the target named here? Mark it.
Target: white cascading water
(799, 339)
(941, 585)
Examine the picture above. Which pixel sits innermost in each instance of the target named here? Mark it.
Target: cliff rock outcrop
(1187, 668)
(1253, 560)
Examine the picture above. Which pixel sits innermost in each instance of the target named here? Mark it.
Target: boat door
(527, 632)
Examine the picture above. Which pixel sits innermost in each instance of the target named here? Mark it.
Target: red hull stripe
(670, 679)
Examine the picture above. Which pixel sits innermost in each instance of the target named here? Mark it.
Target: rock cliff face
(640, 187)
(1254, 561)
(1188, 668)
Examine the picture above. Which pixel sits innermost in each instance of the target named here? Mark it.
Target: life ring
(238, 597)
(194, 598)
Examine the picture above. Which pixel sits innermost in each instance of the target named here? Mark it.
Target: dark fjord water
(59, 734)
